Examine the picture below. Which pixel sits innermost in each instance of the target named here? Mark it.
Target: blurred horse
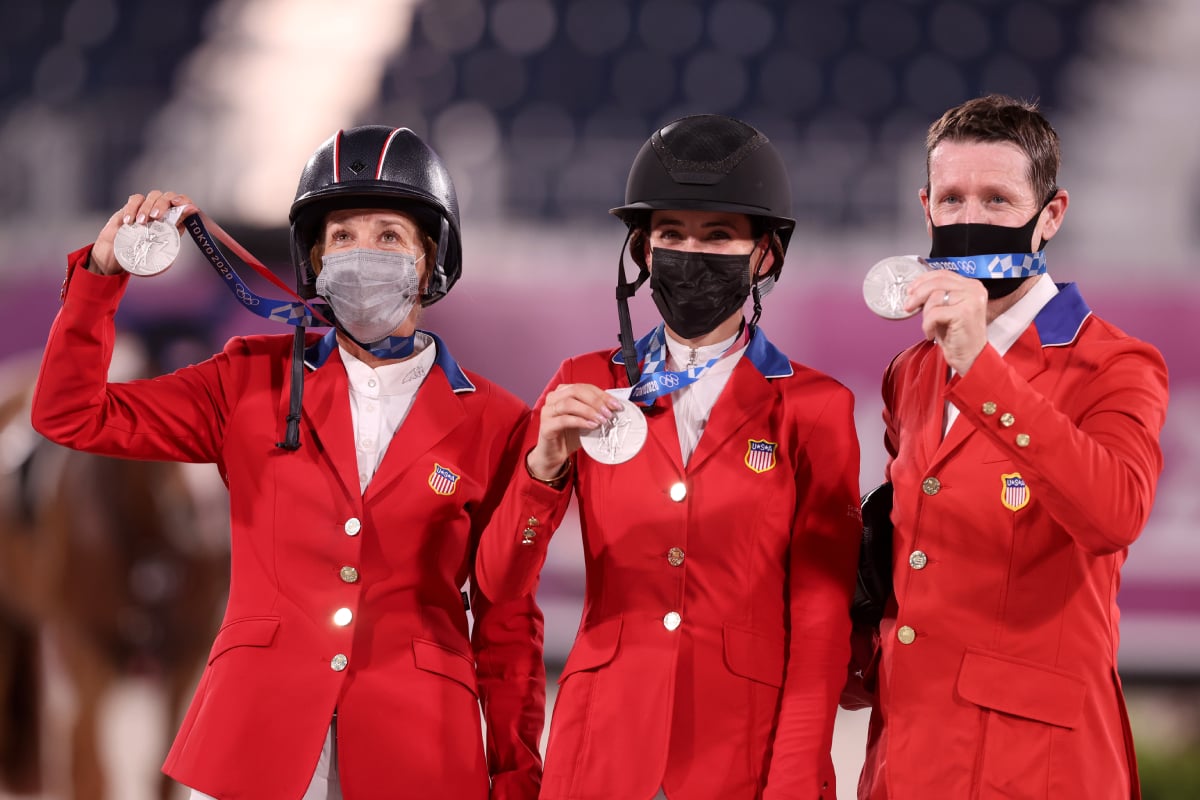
(113, 565)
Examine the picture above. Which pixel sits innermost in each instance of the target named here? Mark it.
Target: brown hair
(999, 118)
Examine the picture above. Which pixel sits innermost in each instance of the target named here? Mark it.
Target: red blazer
(714, 637)
(404, 676)
(999, 662)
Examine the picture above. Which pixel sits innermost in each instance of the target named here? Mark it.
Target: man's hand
(954, 314)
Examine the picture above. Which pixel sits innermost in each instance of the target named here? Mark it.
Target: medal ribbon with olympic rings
(657, 380)
(995, 265)
(294, 312)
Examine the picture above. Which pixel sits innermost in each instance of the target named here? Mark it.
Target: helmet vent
(706, 148)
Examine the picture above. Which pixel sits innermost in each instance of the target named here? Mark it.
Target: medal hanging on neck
(657, 380)
(621, 437)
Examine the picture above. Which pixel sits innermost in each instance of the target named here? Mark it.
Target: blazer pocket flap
(1021, 688)
(754, 655)
(444, 661)
(245, 632)
(594, 647)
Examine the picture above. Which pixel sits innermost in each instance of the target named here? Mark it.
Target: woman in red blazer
(344, 667)
(721, 554)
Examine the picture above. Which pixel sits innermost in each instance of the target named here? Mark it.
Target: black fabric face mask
(978, 239)
(696, 292)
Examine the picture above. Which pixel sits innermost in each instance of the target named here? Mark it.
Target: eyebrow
(992, 187)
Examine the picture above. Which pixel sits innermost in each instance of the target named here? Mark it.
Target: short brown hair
(999, 118)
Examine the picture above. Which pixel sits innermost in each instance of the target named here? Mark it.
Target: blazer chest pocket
(245, 632)
(1021, 688)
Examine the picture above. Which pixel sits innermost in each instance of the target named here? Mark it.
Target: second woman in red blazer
(720, 556)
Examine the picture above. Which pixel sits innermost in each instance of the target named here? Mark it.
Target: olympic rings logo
(246, 297)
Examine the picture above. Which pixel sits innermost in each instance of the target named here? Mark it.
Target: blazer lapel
(744, 397)
(436, 411)
(326, 410)
(660, 417)
(1026, 356)
(931, 397)
(661, 429)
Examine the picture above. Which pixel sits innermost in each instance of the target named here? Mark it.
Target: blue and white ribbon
(997, 265)
(657, 380)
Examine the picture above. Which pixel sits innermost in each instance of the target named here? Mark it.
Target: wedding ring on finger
(946, 298)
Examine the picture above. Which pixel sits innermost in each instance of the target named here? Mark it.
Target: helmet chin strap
(626, 290)
(291, 439)
(755, 293)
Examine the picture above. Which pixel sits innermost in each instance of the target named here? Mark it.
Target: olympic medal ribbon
(657, 380)
(296, 311)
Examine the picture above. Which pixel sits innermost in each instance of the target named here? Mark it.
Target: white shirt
(380, 399)
(1004, 330)
(694, 403)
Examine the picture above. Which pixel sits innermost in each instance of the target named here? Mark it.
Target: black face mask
(696, 292)
(978, 239)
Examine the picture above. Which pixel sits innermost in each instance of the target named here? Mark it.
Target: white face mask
(371, 292)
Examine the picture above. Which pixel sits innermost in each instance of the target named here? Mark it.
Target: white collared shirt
(380, 399)
(1004, 330)
(694, 403)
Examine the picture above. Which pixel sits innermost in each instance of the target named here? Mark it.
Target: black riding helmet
(705, 162)
(376, 166)
(710, 162)
(372, 166)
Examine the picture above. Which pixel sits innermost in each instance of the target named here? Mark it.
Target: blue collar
(1059, 321)
(318, 352)
(766, 357)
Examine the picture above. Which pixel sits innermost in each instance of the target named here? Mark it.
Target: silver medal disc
(620, 438)
(148, 249)
(886, 282)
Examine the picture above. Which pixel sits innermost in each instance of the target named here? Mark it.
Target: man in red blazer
(1023, 436)
(720, 549)
(344, 666)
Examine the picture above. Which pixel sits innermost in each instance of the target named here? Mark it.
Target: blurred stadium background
(538, 106)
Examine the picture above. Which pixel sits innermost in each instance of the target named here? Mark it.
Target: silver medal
(886, 283)
(620, 438)
(148, 249)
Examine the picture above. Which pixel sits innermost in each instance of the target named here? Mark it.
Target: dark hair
(999, 118)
